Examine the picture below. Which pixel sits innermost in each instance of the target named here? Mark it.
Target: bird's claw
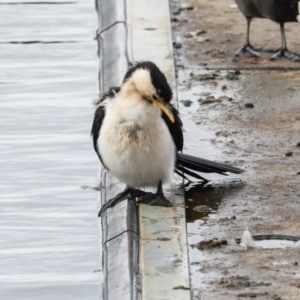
(126, 194)
(154, 199)
(287, 54)
(249, 49)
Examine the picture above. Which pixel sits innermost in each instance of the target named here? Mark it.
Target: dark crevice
(37, 3)
(39, 42)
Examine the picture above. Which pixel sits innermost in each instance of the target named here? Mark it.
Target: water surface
(49, 238)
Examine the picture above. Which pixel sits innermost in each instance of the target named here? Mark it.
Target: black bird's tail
(186, 164)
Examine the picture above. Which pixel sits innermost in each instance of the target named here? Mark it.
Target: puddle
(203, 201)
(276, 244)
(274, 241)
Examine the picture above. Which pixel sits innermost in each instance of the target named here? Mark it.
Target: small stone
(174, 19)
(176, 10)
(186, 103)
(212, 82)
(206, 77)
(202, 208)
(208, 100)
(199, 32)
(298, 173)
(249, 105)
(298, 144)
(222, 133)
(177, 45)
(233, 218)
(276, 297)
(225, 98)
(205, 94)
(289, 153)
(295, 263)
(188, 35)
(233, 75)
(213, 243)
(186, 6)
(210, 97)
(224, 87)
(223, 220)
(202, 39)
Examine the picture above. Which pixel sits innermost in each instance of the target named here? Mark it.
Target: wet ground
(248, 118)
(49, 241)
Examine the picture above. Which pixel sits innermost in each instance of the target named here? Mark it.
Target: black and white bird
(137, 134)
(279, 11)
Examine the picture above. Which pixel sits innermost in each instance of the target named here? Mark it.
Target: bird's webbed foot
(250, 49)
(157, 199)
(126, 194)
(287, 54)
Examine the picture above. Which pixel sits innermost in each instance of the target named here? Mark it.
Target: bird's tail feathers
(188, 163)
(181, 171)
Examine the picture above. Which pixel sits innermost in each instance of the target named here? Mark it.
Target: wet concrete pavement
(250, 120)
(49, 238)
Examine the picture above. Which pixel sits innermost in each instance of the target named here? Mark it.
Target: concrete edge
(120, 235)
(163, 251)
(140, 30)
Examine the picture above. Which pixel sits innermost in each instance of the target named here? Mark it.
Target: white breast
(135, 143)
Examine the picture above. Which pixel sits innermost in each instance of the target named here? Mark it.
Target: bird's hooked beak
(164, 108)
(298, 17)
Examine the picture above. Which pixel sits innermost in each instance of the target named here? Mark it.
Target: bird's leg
(157, 199)
(284, 52)
(127, 193)
(248, 47)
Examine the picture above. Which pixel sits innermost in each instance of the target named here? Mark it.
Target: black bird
(279, 11)
(137, 134)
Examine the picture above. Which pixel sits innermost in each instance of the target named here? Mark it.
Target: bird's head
(151, 84)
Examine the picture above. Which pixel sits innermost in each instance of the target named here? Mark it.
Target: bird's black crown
(158, 79)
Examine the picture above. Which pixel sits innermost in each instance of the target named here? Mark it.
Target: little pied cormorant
(137, 134)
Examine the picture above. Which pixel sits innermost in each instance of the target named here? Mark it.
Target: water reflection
(204, 200)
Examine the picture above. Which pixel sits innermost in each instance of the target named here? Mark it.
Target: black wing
(175, 128)
(99, 116)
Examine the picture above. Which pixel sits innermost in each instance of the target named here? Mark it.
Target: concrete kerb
(145, 250)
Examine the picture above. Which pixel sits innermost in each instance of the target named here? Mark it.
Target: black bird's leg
(157, 199)
(284, 52)
(127, 193)
(248, 47)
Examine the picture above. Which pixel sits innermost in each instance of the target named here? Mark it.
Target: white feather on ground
(247, 240)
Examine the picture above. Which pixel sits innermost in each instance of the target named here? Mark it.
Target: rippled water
(49, 238)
